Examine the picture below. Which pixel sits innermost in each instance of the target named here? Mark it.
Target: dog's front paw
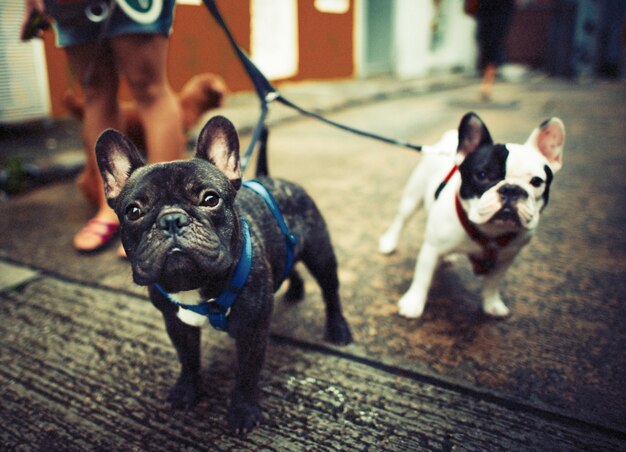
(243, 415)
(338, 331)
(185, 393)
(387, 243)
(410, 306)
(496, 308)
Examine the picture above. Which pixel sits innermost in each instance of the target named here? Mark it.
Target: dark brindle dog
(210, 249)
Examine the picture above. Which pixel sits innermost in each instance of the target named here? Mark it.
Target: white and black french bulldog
(197, 237)
(483, 200)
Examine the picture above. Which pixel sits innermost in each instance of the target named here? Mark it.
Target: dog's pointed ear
(549, 139)
(472, 134)
(117, 158)
(219, 144)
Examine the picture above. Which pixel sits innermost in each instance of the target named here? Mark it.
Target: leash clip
(271, 96)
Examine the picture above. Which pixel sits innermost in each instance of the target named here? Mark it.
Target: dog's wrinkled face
(178, 223)
(505, 187)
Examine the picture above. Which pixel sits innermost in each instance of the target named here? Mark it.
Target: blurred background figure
(103, 43)
(610, 37)
(493, 19)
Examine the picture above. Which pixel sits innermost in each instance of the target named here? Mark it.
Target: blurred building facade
(290, 40)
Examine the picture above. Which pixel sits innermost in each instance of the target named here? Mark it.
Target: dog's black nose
(512, 193)
(173, 222)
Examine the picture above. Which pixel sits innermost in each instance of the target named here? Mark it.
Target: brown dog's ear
(549, 139)
(203, 92)
(117, 158)
(219, 144)
(472, 134)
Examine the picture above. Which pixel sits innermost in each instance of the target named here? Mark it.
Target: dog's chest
(190, 297)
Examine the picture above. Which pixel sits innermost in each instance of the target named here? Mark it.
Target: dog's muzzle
(512, 198)
(510, 193)
(173, 222)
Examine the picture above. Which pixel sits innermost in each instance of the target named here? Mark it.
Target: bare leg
(142, 60)
(95, 67)
(486, 85)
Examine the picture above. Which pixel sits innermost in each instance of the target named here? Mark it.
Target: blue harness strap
(290, 238)
(218, 310)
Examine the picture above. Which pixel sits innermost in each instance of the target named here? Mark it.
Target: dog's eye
(210, 199)
(134, 212)
(536, 182)
(480, 175)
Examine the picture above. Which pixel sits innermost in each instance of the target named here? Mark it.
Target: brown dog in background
(202, 93)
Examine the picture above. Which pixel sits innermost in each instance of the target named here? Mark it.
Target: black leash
(268, 93)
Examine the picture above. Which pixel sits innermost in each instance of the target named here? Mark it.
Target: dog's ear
(219, 144)
(549, 139)
(117, 158)
(472, 134)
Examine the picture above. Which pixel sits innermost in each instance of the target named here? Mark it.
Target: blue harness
(217, 310)
(290, 238)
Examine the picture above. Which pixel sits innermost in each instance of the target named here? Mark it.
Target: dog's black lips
(506, 214)
(170, 262)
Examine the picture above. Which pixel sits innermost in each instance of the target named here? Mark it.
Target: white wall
(274, 37)
(413, 53)
(24, 92)
(412, 37)
(459, 47)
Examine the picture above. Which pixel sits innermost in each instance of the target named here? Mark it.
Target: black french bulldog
(189, 227)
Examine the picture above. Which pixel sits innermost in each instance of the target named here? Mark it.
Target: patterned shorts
(81, 21)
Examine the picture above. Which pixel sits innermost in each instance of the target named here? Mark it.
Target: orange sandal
(103, 233)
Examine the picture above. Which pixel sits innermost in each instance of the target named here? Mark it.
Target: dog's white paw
(387, 244)
(496, 308)
(410, 306)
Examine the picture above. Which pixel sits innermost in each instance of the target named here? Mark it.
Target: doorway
(377, 38)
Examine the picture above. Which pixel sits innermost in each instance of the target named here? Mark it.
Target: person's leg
(487, 82)
(142, 60)
(492, 33)
(93, 66)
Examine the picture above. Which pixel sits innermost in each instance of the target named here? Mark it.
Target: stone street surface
(85, 362)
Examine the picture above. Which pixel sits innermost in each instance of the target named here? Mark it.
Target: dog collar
(290, 238)
(446, 179)
(491, 245)
(217, 310)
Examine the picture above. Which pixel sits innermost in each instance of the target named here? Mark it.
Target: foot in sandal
(96, 235)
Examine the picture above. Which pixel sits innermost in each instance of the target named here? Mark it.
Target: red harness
(484, 263)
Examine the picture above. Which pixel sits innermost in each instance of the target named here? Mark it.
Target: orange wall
(326, 43)
(198, 44)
